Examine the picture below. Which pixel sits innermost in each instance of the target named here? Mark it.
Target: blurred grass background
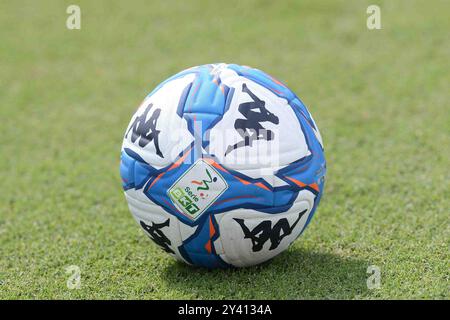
(380, 99)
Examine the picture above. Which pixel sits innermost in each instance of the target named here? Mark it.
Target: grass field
(380, 98)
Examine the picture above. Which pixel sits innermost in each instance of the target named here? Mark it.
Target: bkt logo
(193, 195)
(183, 198)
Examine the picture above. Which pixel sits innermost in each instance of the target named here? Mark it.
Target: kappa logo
(250, 128)
(193, 195)
(145, 130)
(264, 231)
(155, 233)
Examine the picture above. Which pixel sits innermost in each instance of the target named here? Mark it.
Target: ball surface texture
(222, 165)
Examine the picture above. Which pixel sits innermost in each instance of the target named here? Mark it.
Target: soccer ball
(222, 165)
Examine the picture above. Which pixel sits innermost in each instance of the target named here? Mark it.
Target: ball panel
(156, 132)
(162, 228)
(274, 133)
(249, 237)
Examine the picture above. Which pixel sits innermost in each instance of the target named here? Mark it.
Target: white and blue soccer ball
(222, 165)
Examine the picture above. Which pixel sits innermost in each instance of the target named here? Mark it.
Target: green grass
(379, 97)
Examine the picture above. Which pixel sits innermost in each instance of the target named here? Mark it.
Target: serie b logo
(204, 184)
(197, 189)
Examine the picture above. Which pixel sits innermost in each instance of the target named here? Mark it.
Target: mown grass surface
(380, 99)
